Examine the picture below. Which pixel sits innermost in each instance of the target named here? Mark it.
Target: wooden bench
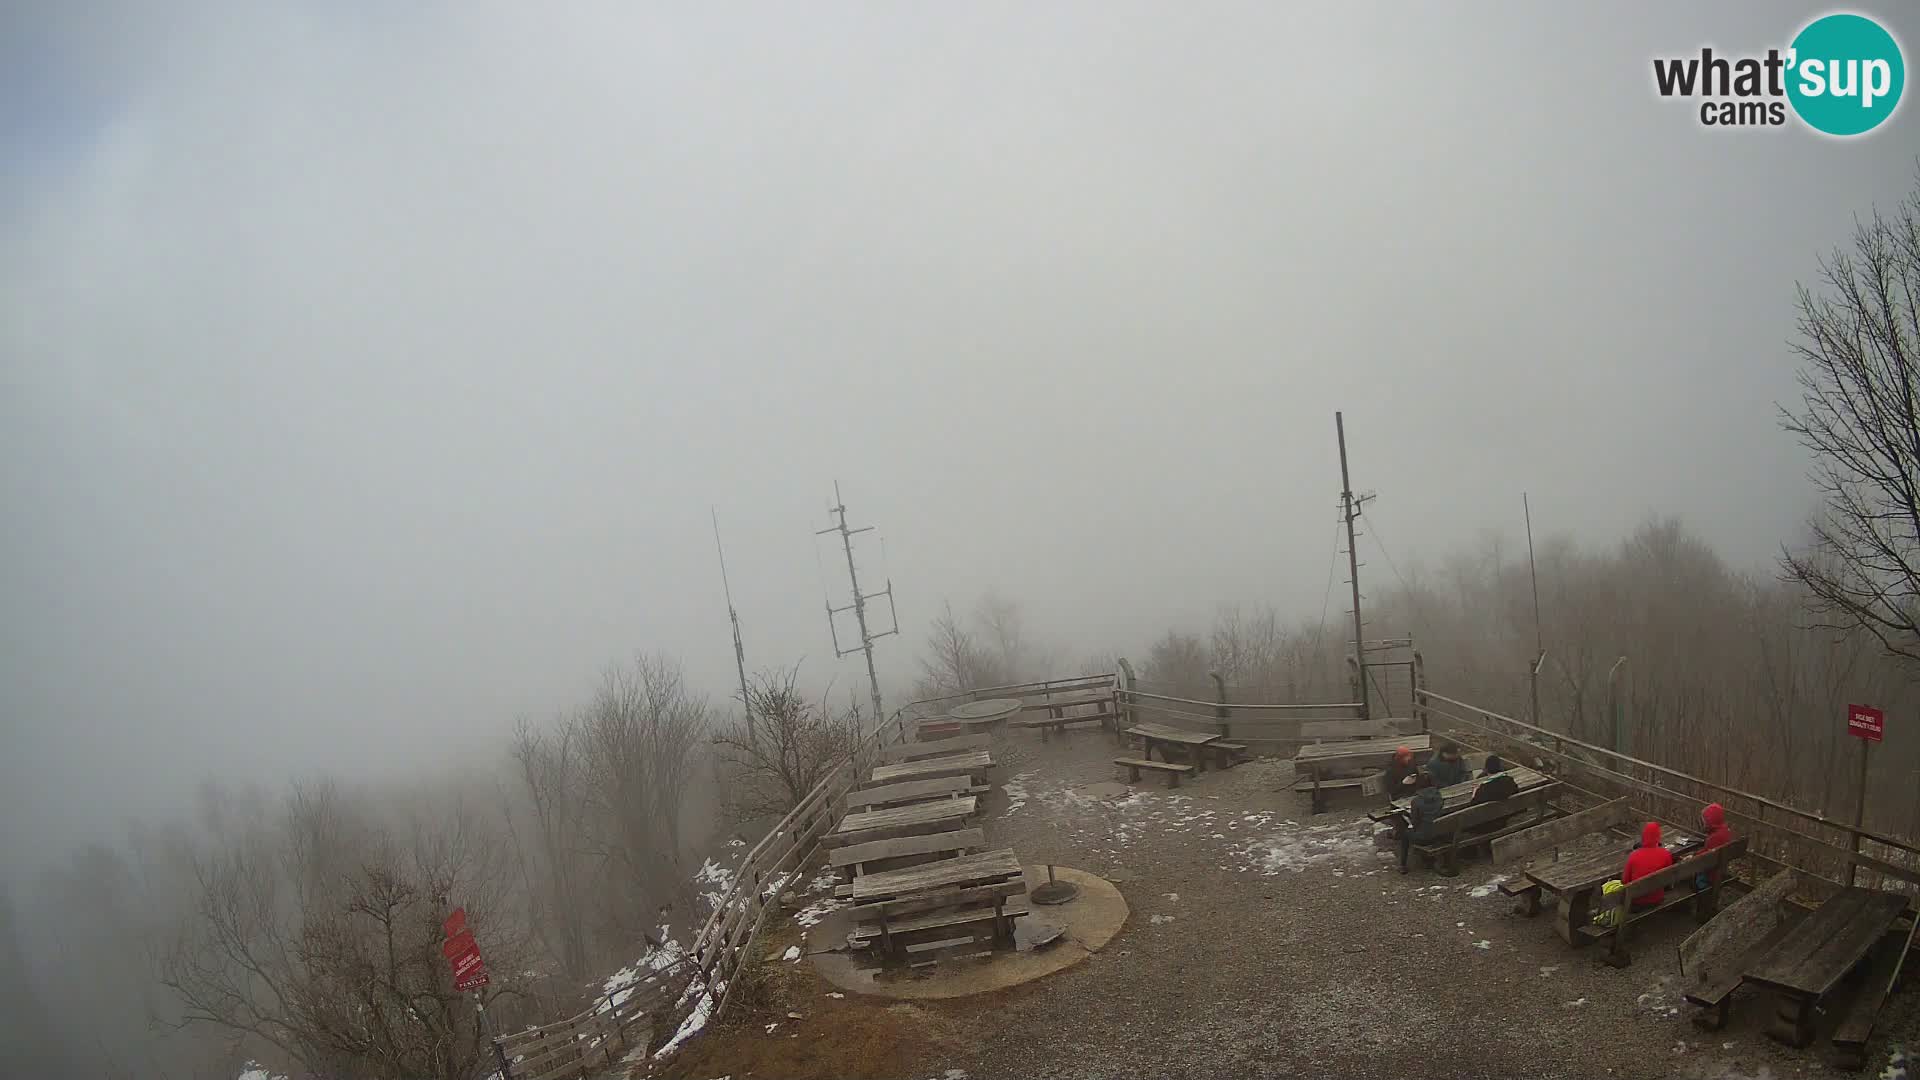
(913, 751)
(1480, 823)
(1519, 845)
(1716, 956)
(879, 856)
(1705, 902)
(1372, 783)
(1173, 769)
(1050, 724)
(909, 931)
(1880, 978)
(939, 904)
(912, 791)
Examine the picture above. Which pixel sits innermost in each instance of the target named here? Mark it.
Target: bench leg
(1792, 1020)
(1530, 903)
(1576, 911)
(1706, 903)
(1714, 1017)
(1133, 774)
(1173, 779)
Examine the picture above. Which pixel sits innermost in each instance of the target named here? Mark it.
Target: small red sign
(1866, 722)
(472, 980)
(454, 946)
(455, 923)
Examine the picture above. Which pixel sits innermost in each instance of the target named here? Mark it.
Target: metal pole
(1859, 814)
(1533, 571)
(859, 604)
(1613, 702)
(1353, 565)
(486, 1032)
(739, 650)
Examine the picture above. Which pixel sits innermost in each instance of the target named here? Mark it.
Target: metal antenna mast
(859, 605)
(1350, 509)
(739, 650)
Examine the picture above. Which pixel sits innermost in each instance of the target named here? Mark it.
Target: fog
(368, 376)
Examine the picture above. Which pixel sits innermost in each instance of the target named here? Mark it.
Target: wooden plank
(1827, 943)
(959, 840)
(966, 763)
(939, 920)
(944, 812)
(933, 787)
(1341, 730)
(1882, 975)
(1899, 873)
(1737, 926)
(1163, 733)
(1716, 956)
(934, 901)
(910, 751)
(1597, 868)
(1357, 753)
(1558, 833)
(1062, 721)
(1146, 763)
(980, 868)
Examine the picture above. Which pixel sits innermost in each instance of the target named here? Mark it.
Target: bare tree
(796, 745)
(640, 734)
(1860, 416)
(552, 769)
(322, 939)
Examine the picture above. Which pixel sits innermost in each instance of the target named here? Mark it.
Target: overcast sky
(367, 371)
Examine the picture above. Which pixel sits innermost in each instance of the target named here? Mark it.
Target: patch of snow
(1174, 897)
(792, 953)
(1548, 969)
(1158, 919)
(619, 984)
(1487, 888)
(735, 843)
(771, 1026)
(818, 910)
(1483, 944)
(257, 1071)
(1459, 924)
(1575, 1003)
(1293, 848)
(696, 1020)
(835, 994)
(720, 880)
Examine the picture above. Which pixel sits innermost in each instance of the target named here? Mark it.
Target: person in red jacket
(1714, 817)
(1648, 858)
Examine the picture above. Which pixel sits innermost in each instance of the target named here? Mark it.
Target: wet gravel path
(1267, 943)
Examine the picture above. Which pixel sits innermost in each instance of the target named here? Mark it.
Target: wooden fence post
(1220, 711)
(1128, 709)
(1420, 690)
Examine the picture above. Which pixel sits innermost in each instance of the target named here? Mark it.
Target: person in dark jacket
(1494, 766)
(1448, 768)
(1427, 806)
(1648, 858)
(1714, 817)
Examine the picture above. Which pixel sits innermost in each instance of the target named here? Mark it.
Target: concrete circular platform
(1089, 921)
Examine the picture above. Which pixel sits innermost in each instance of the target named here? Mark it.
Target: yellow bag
(1609, 916)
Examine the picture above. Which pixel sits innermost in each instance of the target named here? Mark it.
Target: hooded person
(1493, 767)
(1648, 858)
(1714, 817)
(1422, 812)
(1399, 776)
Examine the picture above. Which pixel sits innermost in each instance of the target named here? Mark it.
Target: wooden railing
(703, 981)
(1816, 845)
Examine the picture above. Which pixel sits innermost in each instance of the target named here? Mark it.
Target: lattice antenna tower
(859, 604)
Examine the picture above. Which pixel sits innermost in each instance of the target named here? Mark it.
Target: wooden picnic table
(1815, 955)
(941, 815)
(990, 711)
(1575, 881)
(1457, 796)
(1320, 761)
(1166, 737)
(939, 906)
(974, 763)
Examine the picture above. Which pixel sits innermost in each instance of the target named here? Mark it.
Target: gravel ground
(1264, 942)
